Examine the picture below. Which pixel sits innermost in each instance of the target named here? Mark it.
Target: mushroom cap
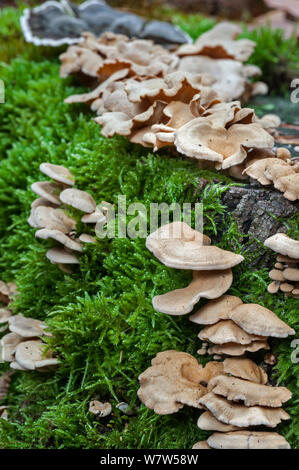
(94, 217)
(78, 199)
(273, 287)
(31, 355)
(226, 331)
(247, 440)
(189, 253)
(53, 219)
(201, 445)
(27, 327)
(5, 314)
(178, 231)
(85, 238)
(284, 245)
(291, 274)
(207, 284)
(250, 393)
(245, 369)
(240, 415)
(215, 310)
(47, 190)
(258, 320)
(61, 256)
(100, 409)
(289, 185)
(201, 140)
(60, 237)
(258, 169)
(236, 349)
(171, 382)
(9, 343)
(276, 275)
(58, 173)
(208, 422)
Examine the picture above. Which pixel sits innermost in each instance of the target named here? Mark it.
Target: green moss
(106, 331)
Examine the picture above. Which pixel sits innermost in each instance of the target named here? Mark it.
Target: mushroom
(9, 343)
(200, 140)
(250, 393)
(5, 314)
(31, 355)
(289, 186)
(100, 409)
(94, 217)
(215, 310)
(258, 320)
(189, 253)
(27, 327)
(78, 199)
(240, 415)
(61, 256)
(59, 237)
(58, 173)
(171, 382)
(208, 422)
(284, 245)
(247, 440)
(245, 369)
(201, 445)
(85, 238)
(206, 284)
(47, 190)
(52, 219)
(226, 331)
(219, 42)
(236, 349)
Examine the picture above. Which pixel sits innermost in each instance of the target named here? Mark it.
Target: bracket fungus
(208, 422)
(58, 173)
(247, 440)
(245, 369)
(22, 346)
(216, 310)
(78, 199)
(285, 276)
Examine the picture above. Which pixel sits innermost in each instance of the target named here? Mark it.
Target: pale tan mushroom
(100, 409)
(78, 199)
(85, 238)
(250, 393)
(258, 320)
(291, 274)
(276, 275)
(215, 310)
(208, 422)
(245, 369)
(247, 440)
(286, 287)
(32, 355)
(5, 314)
(189, 253)
(171, 382)
(205, 284)
(47, 190)
(94, 217)
(201, 445)
(61, 256)
(226, 331)
(227, 147)
(60, 237)
(239, 415)
(289, 186)
(219, 42)
(53, 219)
(258, 168)
(236, 349)
(27, 327)
(9, 343)
(273, 287)
(58, 173)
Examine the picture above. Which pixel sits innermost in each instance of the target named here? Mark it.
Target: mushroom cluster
(285, 275)
(23, 346)
(178, 246)
(146, 93)
(48, 214)
(281, 172)
(233, 393)
(233, 328)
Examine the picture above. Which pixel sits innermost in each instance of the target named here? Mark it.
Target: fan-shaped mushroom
(215, 310)
(58, 173)
(281, 243)
(247, 440)
(208, 422)
(245, 369)
(226, 331)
